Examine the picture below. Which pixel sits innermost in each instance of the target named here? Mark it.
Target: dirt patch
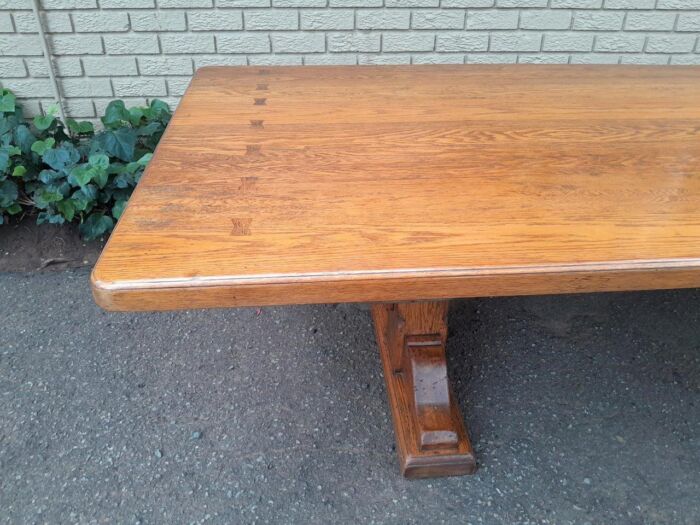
(28, 247)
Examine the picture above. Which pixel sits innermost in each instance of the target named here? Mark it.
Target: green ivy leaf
(6, 125)
(43, 122)
(24, 138)
(14, 209)
(135, 115)
(40, 146)
(118, 143)
(48, 217)
(105, 196)
(56, 158)
(19, 171)
(52, 110)
(8, 193)
(95, 225)
(80, 128)
(119, 194)
(62, 157)
(99, 176)
(145, 159)
(7, 102)
(132, 167)
(4, 159)
(159, 108)
(80, 175)
(149, 129)
(115, 114)
(50, 176)
(75, 153)
(18, 114)
(82, 199)
(118, 209)
(46, 196)
(90, 191)
(67, 209)
(123, 180)
(99, 160)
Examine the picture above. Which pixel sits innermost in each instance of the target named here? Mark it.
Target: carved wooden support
(430, 436)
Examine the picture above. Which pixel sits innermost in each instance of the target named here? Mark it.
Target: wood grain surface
(281, 185)
(431, 439)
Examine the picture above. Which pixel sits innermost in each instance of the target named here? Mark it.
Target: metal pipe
(49, 61)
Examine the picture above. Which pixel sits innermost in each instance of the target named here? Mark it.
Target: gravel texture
(582, 409)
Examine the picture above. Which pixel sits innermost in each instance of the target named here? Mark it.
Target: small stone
(196, 435)
(159, 454)
(586, 481)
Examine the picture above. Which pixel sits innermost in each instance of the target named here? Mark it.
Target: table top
(282, 185)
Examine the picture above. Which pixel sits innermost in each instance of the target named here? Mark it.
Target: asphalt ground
(582, 409)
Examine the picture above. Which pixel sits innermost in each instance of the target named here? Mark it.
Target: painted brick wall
(139, 49)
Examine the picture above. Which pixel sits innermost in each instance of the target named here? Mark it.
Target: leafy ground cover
(66, 172)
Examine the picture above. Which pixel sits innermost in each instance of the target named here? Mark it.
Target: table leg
(430, 436)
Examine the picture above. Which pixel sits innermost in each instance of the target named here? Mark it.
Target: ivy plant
(67, 172)
(13, 133)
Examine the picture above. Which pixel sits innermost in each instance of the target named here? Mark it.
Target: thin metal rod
(49, 61)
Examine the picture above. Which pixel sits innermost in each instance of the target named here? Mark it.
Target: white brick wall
(140, 49)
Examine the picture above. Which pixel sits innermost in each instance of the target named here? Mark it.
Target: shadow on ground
(582, 409)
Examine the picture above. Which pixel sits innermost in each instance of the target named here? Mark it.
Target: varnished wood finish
(430, 437)
(281, 185)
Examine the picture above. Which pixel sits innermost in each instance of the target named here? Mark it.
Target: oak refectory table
(406, 186)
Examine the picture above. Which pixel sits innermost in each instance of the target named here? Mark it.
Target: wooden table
(405, 187)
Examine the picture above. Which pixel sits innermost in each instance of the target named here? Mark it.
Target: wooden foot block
(430, 436)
